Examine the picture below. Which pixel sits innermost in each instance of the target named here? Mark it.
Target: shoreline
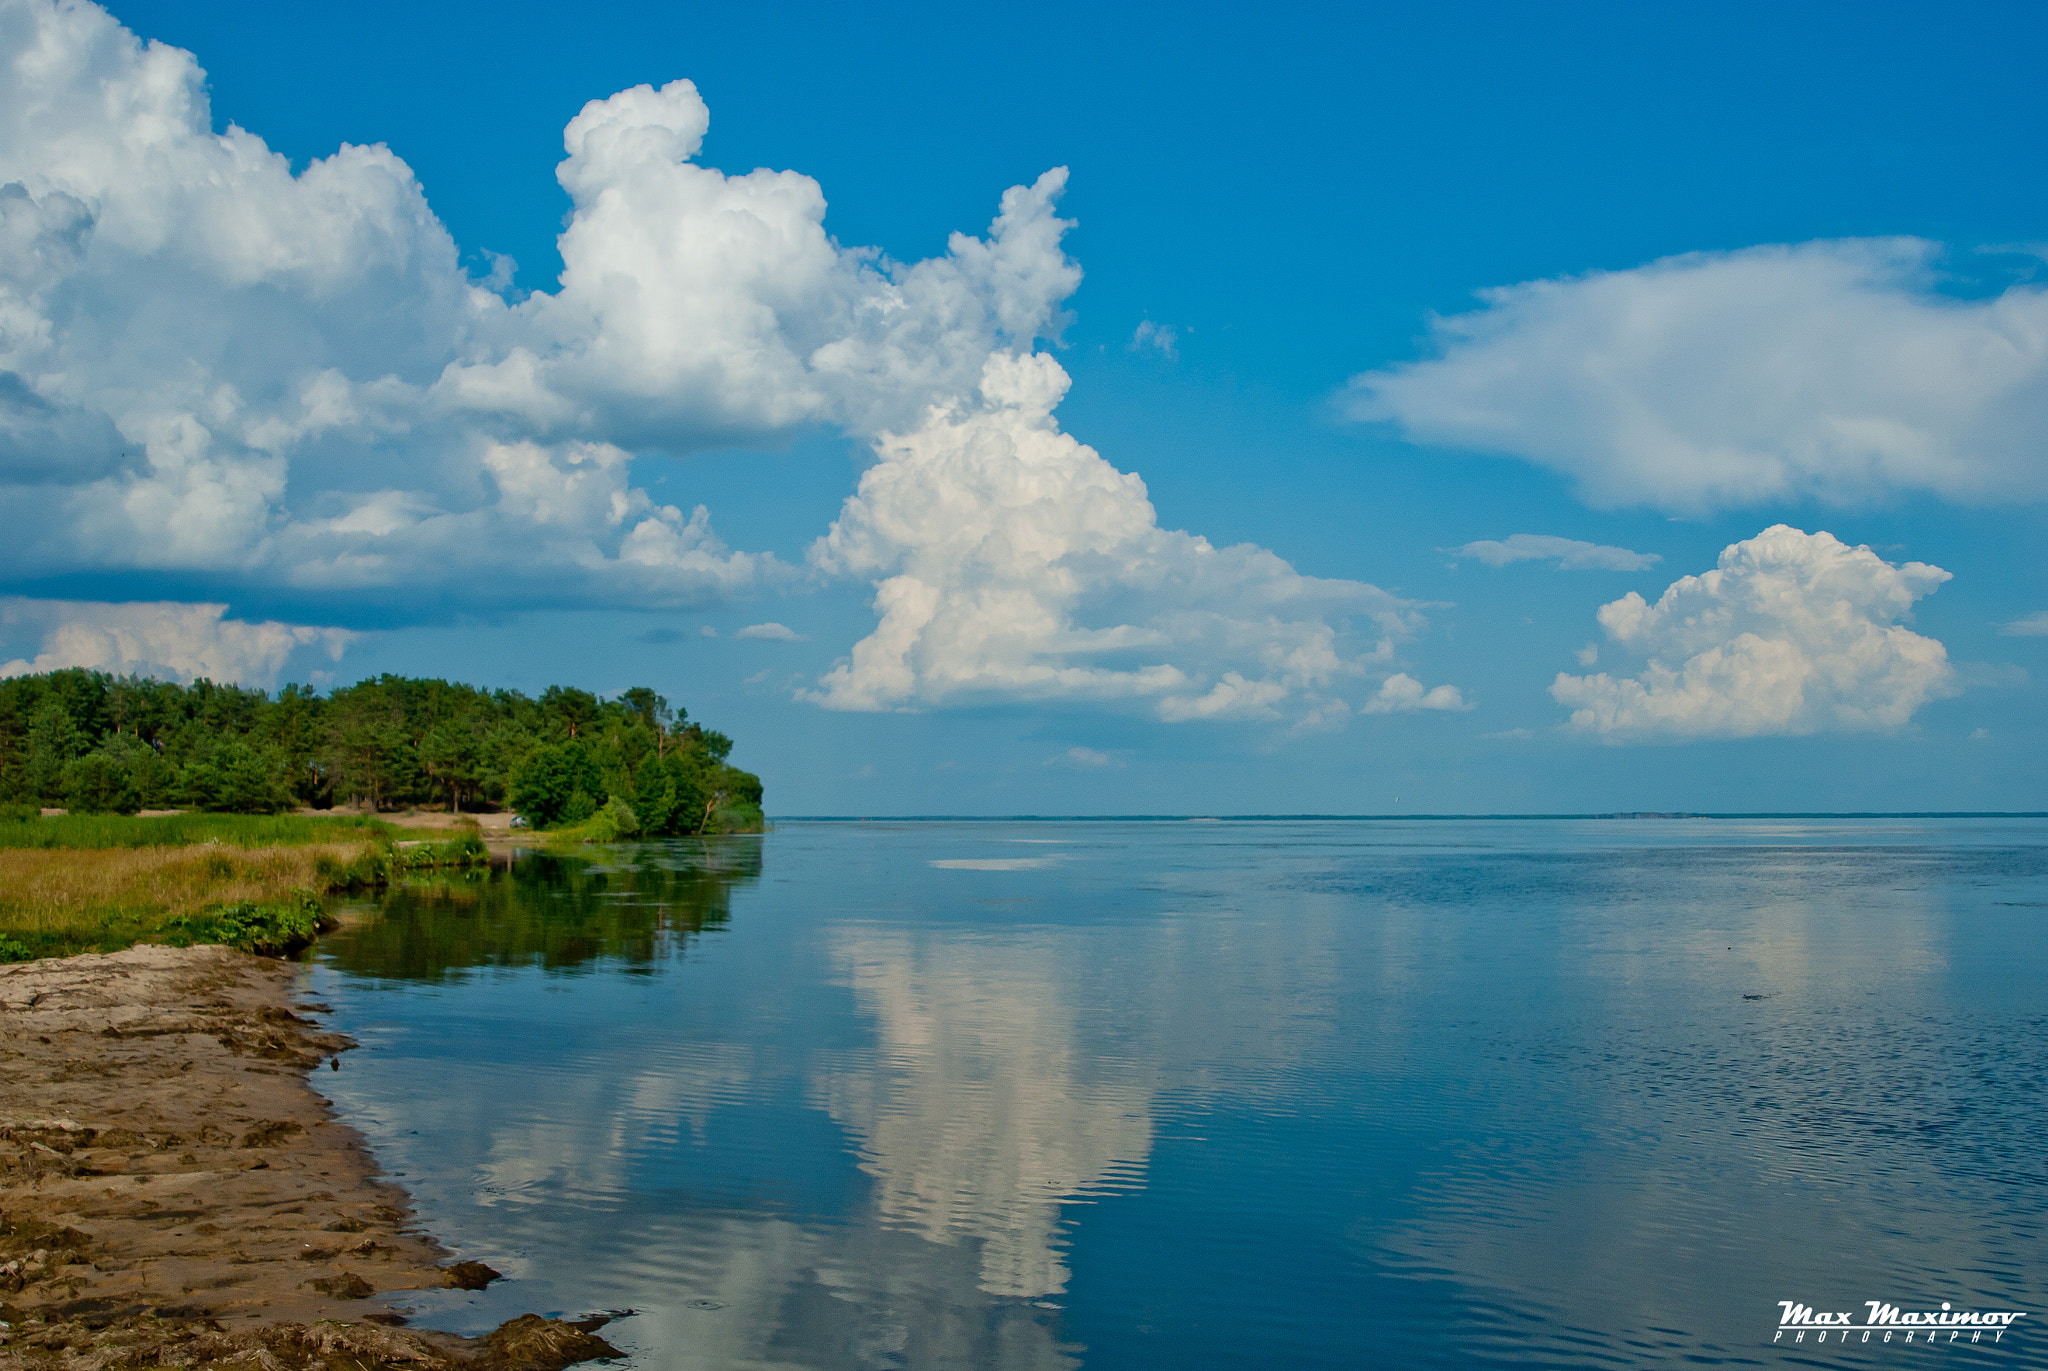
(175, 1190)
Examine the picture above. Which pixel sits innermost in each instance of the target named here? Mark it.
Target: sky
(1140, 409)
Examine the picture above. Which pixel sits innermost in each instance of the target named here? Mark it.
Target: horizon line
(1273, 818)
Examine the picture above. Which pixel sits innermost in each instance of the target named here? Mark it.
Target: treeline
(95, 743)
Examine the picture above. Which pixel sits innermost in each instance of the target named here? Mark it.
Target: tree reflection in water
(633, 908)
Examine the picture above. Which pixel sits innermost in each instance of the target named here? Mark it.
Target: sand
(175, 1191)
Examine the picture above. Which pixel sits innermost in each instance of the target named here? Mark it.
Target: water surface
(1314, 1094)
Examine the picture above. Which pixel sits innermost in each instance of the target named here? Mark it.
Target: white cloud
(165, 639)
(1012, 563)
(1164, 337)
(2032, 626)
(1830, 370)
(209, 363)
(1792, 633)
(1086, 758)
(1402, 694)
(772, 631)
(1569, 553)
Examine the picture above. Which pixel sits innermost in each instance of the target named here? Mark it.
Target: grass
(102, 831)
(58, 898)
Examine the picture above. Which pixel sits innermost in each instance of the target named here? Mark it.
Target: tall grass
(103, 831)
(59, 900)
(55, 903)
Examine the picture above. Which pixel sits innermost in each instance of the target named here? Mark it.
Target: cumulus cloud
(1402, 694)
(1826, 370)
(212, 364)
(1012, 562)
(1791, 633)
(771, 631)
(2032, 626)
(164, 639)
(1569, 553)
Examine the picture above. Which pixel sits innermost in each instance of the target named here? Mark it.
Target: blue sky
(1289, 200)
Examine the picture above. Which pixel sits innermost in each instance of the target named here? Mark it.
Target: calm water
(1134, 1095)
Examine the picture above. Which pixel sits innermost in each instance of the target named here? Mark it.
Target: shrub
(98, 784)
(615, 821)
(265, 929)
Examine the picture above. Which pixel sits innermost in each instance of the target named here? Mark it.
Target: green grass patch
(109, 831)
(384, 863)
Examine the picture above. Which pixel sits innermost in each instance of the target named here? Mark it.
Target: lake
(1199, 1094)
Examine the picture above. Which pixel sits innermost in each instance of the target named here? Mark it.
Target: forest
(91, 742)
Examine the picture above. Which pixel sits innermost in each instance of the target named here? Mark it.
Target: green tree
(576, 709)
(708, 741)
(53, 741)
(296, 726)
(155, 780)
(390, 740)
(238, 777)
(673, 793)
(453, 757)
(368, 762)
(547, 783)
(99, 784)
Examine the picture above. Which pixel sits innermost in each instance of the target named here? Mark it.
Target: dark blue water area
(1301, 1094)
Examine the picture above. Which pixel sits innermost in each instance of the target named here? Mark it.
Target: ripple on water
(1227, 1094)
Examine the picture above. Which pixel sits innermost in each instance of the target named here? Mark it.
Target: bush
(98, 784)
(615, 821)
(382, 864)
(265, 929)
(736, 818)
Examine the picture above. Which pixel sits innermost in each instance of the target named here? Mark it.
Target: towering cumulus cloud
(1013, 562)
(169, 639)
(212, 364)
(1830, 370)
(1792, 633)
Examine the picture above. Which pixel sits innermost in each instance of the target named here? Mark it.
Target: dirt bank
(176, 1193)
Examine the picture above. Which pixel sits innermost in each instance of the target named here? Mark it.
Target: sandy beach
(177, 1192)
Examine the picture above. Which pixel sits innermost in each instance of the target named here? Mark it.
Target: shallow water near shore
(1184, 1094)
